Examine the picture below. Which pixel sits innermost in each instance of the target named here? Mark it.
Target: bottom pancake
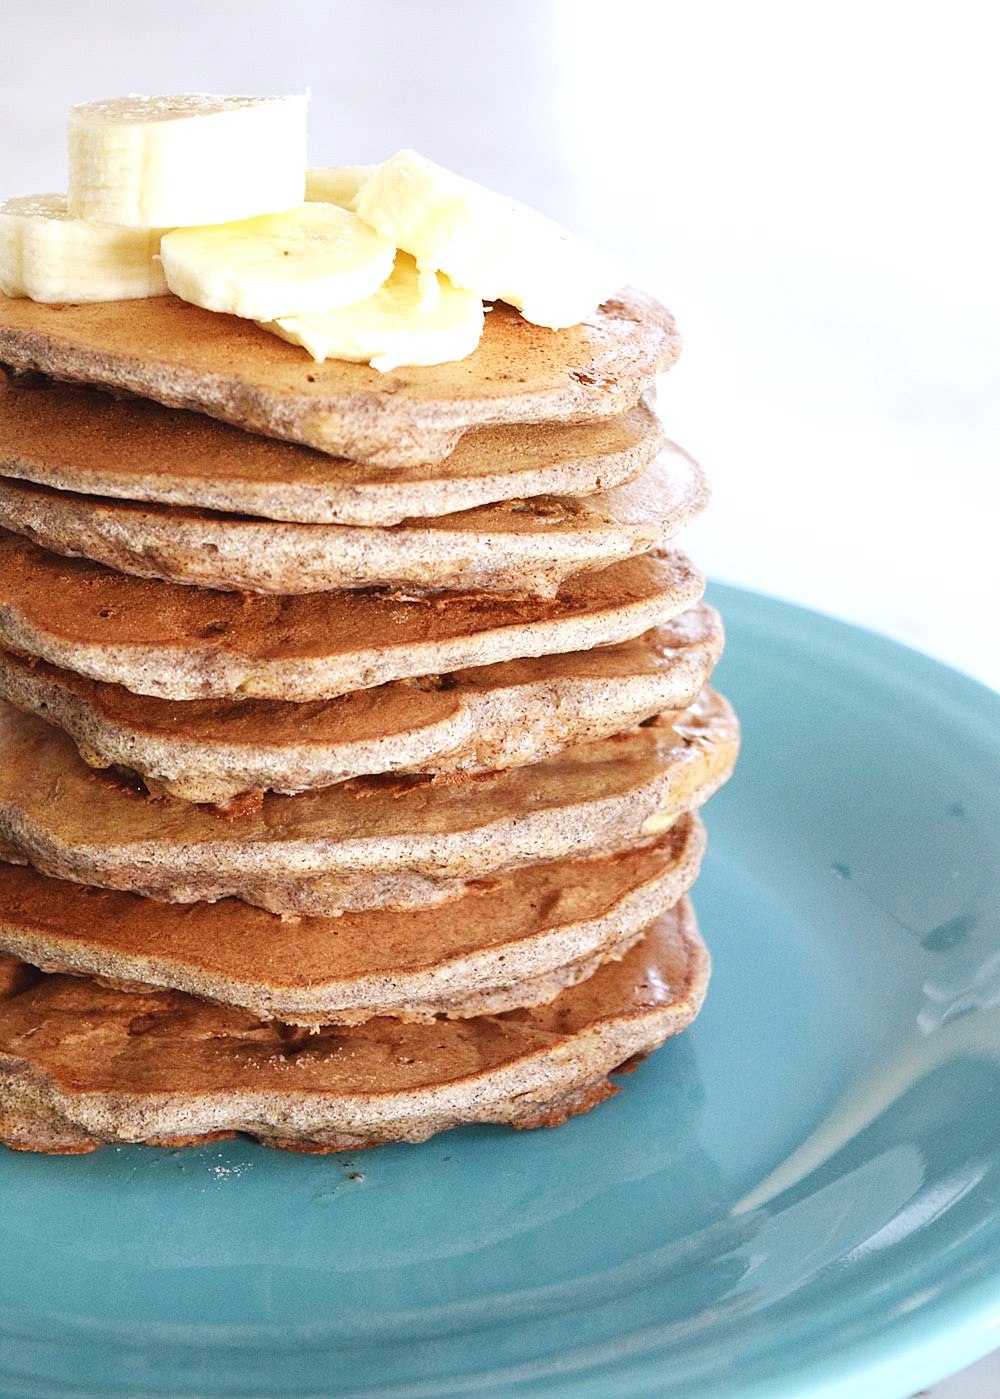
(82, 1064)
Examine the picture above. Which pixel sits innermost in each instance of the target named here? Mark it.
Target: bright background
(813, 189)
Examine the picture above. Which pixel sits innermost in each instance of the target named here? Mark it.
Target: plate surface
(797, 1198)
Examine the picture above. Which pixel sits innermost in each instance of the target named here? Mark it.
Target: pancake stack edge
(353, 729)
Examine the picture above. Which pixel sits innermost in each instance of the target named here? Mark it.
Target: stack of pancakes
(353, 728)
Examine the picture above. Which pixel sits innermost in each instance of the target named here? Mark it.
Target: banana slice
(48, 256)
(166, 162)
(337, 184)
(394, 327)
(486, 243)
(309, 259)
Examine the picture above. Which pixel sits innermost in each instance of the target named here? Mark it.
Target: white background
(813, 189)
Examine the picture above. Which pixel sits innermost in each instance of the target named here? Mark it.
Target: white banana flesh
(394, 327)
(486, 243)
(49, 256)
(337, 184)
(168, 162)
(312, 258)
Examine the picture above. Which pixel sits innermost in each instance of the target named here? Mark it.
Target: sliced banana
(337, 184)
(49, 256)
(309, 259)
(487, 243)
(166, 162)
(394, 327)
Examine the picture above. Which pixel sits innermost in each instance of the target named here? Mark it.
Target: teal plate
(797, 1198)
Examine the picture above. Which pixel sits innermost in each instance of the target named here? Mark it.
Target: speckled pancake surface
(179, 355)
(474, 721)
(516, 940)
(518, 546)
(193, 643)
(82, 1064)
(75, 438)
(392, 841)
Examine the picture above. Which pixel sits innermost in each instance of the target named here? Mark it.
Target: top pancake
(179, 355)
(81, 439)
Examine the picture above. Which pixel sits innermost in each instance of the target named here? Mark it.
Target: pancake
(194, 643)
(517, 940)
(15, 976)
(518, 546)
(179, 355)
(390, 841)
(82, 439)
(82, 1064)
(474, 721)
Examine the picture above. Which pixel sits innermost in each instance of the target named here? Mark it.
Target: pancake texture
(474, 721)
(391, 842)
(192, 643)
(184, 357)
(81, 439)
(354, 728)
(520, 546)
(514, 941)
(82, 1064)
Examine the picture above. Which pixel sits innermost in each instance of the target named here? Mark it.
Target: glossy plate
(798, 1198)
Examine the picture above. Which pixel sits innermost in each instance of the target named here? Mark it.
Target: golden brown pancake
(516, 940)
(390, 841)
(82, 1064)
(528, 547)
(473, 721)
(193, 643)
(81, 439)
(184, 357)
